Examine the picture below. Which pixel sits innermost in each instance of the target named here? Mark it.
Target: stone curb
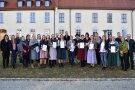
(67, 79)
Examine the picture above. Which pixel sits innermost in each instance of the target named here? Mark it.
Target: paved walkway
(67, 84)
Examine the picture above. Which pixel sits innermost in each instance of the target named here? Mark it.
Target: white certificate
(113, 49)
(37, 49)
(54, 45)
(62, 44)
(81, 45)
(91, 46)
(44, 48)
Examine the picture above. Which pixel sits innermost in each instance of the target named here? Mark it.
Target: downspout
(132, 23)
(54, 22)
(70, 20)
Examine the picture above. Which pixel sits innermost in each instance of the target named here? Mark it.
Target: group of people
(42, 51)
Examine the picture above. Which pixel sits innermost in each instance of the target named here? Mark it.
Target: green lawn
(66, 72)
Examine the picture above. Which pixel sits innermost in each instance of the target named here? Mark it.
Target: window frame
(78, 17)
(1, 18)
(109, 17)
(61, 17)
(38, 3)
(32, 17)
(19, 17)
(94, 17)
(46, 3)
(47, 17)
(29, 2)
(2, 4)
(123, 18)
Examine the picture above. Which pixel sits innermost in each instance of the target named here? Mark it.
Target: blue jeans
(103, 56)
(13, 59)
(71, 57)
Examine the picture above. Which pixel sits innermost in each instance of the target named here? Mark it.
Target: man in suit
(118, 37)
(66, 37)
(131, 51)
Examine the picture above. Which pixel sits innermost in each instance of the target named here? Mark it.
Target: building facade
(46, 17)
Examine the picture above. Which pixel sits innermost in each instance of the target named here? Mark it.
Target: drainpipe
(70, 20)
(132, 22)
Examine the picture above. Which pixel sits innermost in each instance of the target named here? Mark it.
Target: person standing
(81, 51)
(98, 41)
(131, 50)
(33, 50)
(123, 50)
(118, 39)
(61, 51)
(27, 41)
(113, 50)
(25, 53)
(71, 47)
(5, 48)
(53, 52)
(103, 52)
(13, 50)
(91, 55)
(43, 51)
(66, 37)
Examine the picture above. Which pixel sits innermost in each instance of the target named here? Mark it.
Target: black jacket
(131, 45)
(6, 46)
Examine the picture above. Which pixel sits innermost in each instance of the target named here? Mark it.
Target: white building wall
(11, 25)
(86, 24)
(62, 26)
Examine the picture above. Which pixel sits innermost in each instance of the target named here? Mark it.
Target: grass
(66, 72)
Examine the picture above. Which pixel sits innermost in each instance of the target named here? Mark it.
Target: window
(94, 18)
(78, 17)
(32, 17)
(124, 18)
(2, 4)
(47, 17)
(1, 17)
(78, 31)
(124, 33)
(29, 3)
(47, 3)
(109, 17)
(20, 3)
(61, 31)
(94, 32)
(109, 32)
(38, 3)
(19, 17)
(61, 17)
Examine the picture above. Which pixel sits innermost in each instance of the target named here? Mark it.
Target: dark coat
(131, 45)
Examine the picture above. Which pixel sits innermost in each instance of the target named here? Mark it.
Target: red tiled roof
(75, 4)
(97, 4)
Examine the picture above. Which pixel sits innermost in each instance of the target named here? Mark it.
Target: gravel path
(67, 85)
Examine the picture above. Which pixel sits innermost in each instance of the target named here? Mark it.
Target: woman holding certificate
(33, 50)
(123, 49)
(53, 52)
(113, 50)
(61, 51)
(91, 55)
(43, 51)
(81, 51)
(103, 52)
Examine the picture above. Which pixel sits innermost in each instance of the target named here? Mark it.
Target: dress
(113, 57)
(61, 52)
(33, 52)
(53, 51)
(43, 54)
(91, 57)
